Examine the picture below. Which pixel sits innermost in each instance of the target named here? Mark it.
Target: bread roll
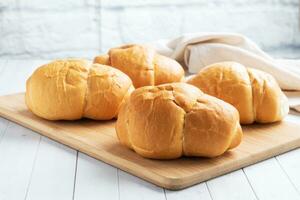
(176, 119)
(254, 93)
(72, 89)
(143, 65)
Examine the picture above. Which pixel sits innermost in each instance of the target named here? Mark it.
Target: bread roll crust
(176, 119)
(106, 90)
(219, 121)
(143, 65)
(71, 89)
(254, 93)
(102, 59)
(136, 62)
(269, 102)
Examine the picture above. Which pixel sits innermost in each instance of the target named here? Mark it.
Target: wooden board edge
(182, 183)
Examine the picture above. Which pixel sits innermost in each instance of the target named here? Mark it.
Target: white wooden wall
(33, 29)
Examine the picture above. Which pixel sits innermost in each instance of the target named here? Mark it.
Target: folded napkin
(198, 50)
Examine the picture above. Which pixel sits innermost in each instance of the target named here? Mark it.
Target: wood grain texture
(98, 140)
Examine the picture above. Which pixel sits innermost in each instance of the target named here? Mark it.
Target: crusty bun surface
(254, 93)
(143, 65)
(71, 89)
(176, 119)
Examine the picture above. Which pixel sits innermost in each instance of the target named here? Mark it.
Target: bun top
(254, 93)
(143, 65)
(71, 89)
(177, 119)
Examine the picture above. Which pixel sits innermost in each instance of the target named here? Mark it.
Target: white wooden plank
(293, 116)
(290, 163)
(95, 180)
(133, 188)
(14, 74)
(17, 154)
(232, 186)
(270, 182)
(53, 173)
(196, 192)
(3, 126)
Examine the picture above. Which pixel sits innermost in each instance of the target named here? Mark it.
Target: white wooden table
(33, 167)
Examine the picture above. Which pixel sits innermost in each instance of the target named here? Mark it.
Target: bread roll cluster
(164, 117)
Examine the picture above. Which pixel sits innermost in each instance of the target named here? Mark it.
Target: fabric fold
(198, 50)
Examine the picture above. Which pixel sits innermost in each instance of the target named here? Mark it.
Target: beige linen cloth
(197, 50)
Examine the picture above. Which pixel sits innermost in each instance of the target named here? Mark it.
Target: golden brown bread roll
(254, 93)
(143, 65)
(72, 89)
(176, 119)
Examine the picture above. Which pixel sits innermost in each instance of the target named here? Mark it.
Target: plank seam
(118, 181)
(4, 131)
(247, 178)
(75, 176)
(209, 192)
(33, 166)
(286, 174)
(165, 194)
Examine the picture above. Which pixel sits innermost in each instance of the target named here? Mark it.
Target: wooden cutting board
(98, 139)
